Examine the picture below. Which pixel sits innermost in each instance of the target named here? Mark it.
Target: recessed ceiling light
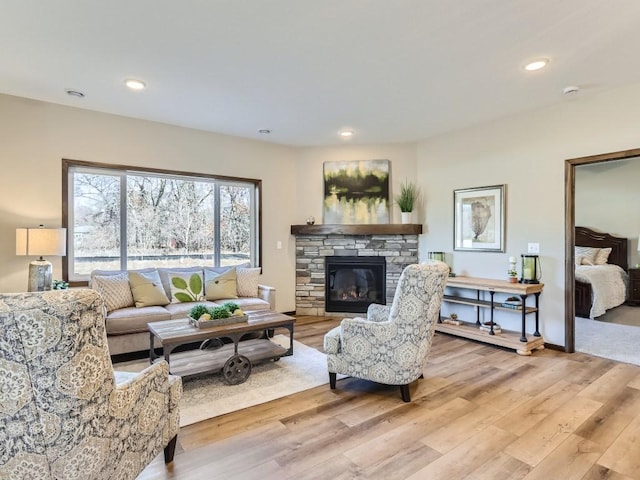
(346, 134)
(264, 131)
(74, 93)
(134, 84)
(570, 90)
(536, 64)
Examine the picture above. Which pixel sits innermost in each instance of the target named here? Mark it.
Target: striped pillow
(115, 290)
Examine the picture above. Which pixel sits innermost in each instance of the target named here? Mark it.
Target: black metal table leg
(491, 332)
(152, 353)
(537, 332)
(290, 351)
(523, 337)
(478, 309)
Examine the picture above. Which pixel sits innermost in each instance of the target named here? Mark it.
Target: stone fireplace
(396, 244)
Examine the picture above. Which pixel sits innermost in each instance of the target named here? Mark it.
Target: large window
(127, 218)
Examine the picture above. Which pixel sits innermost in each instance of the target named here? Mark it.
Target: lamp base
(529, 281)
(40, 275)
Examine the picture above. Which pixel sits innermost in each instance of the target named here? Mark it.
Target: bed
(599, 287)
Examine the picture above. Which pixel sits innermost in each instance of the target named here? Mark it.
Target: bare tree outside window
(96, 227)
(235, 224)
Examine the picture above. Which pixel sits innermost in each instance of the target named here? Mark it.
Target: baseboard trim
(553, 346)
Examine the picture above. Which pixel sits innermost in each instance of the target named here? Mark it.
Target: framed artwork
(478, 219)
(356, 192)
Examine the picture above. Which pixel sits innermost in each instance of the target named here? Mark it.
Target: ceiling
(390, 70)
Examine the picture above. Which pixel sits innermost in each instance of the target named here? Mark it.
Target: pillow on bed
(602, 256)
(587, 255)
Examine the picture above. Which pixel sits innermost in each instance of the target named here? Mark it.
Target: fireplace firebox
(353, 283)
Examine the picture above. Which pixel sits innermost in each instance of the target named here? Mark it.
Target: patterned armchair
(391, 345)
(63, 414)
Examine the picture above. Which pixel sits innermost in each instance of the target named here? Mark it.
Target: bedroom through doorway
(602, 194)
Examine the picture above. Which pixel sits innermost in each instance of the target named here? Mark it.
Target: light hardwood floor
(479, 413)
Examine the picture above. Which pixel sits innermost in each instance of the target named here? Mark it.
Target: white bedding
(608, 286)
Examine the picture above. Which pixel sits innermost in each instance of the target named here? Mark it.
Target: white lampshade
(41, 241)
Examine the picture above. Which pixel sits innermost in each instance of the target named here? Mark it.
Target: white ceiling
(390, 70)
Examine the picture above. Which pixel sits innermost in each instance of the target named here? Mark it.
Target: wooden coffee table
(233, 359)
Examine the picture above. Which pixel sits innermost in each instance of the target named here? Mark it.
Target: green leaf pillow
(186, 287)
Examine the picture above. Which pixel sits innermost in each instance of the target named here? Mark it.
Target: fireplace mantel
(359, 229)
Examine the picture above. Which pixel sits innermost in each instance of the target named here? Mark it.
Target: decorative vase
(407, 217)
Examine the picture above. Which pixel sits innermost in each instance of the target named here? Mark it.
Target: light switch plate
(533, 248)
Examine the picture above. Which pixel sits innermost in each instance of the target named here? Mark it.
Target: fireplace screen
(353, 283)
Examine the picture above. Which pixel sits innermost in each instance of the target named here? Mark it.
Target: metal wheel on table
(236, 369)
(211, 344)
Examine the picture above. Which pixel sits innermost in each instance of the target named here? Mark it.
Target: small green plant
(407, 197)
(198, 310)
(219, 312)
(231, 306)
(59, 285)
(513, 273)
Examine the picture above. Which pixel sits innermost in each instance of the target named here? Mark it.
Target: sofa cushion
(133, 319)
(114, 289)
(247, 304)
(220, 284)
(181, 310)
(147, 289)
(248, 281)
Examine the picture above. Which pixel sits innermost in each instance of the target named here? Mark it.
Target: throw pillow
(248, 281)
(220, 285)
(186, 287)
(115, 290)
(147, 289)
(602, 257)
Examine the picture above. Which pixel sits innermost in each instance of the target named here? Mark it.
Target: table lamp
(41, 241)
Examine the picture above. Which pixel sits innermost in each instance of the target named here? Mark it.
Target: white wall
(608, 200)
(35, 136)
(527, 153)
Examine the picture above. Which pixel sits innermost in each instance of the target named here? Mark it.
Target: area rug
(608, 340)
(209, 396)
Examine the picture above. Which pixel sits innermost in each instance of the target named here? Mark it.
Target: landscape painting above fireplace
(356, 192)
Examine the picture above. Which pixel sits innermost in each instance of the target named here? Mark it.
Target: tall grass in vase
(406, 200)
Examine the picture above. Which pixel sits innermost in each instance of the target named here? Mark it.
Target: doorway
(570, 177)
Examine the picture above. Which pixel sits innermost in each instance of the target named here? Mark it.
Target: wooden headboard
(585, 237)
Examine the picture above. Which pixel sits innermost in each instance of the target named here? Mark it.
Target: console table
(518, 341)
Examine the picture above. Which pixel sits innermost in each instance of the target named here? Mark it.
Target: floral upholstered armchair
(391, 345)
(63, 415)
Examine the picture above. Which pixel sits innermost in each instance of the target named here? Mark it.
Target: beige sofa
(129, 311)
